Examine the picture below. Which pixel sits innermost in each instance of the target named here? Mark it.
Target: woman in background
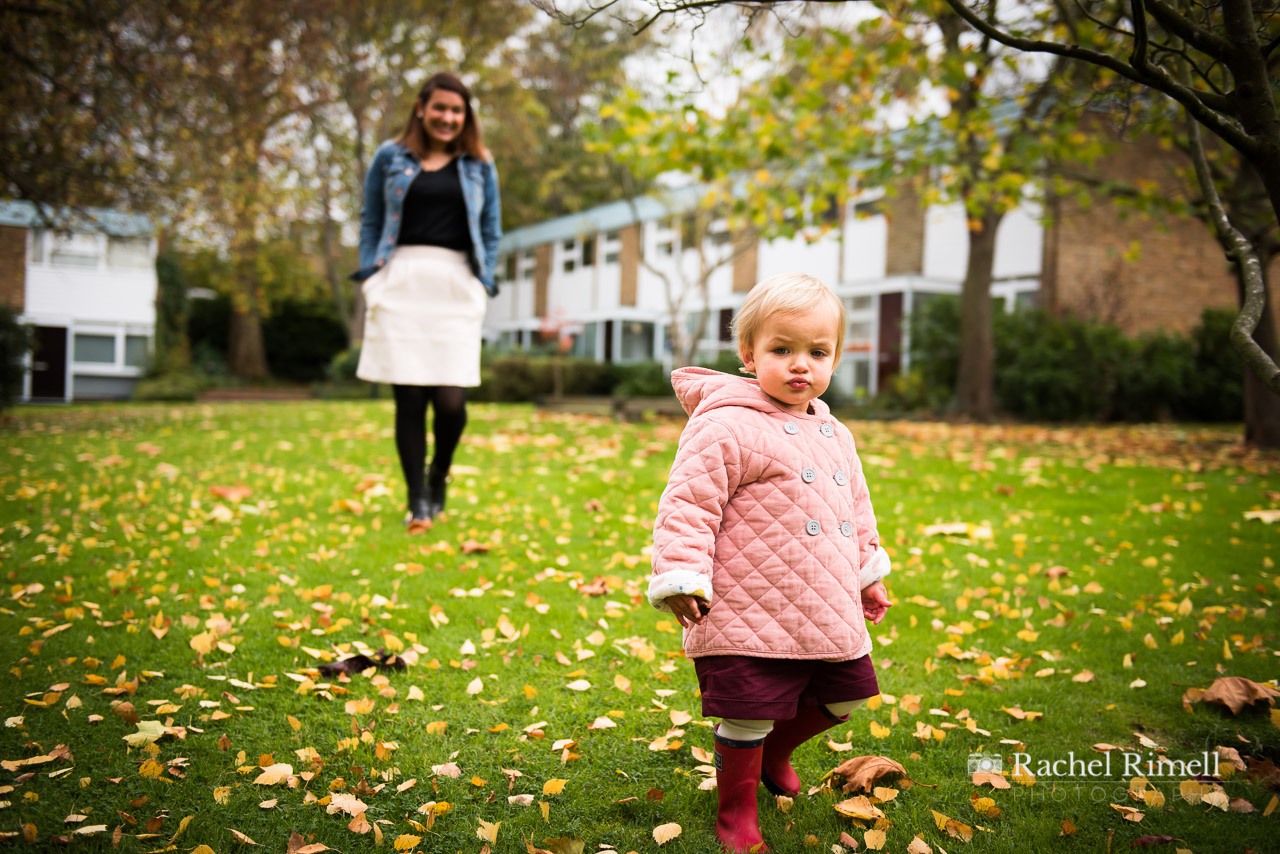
(428, 250)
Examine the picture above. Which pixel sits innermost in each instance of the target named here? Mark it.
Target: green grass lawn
(186, 570)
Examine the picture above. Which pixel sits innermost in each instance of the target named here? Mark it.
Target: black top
(434, 211)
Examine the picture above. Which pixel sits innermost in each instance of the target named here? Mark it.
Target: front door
(49, 363)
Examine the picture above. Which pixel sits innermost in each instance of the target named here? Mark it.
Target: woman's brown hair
(414, 138)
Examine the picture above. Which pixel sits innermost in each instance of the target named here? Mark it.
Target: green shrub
(641, 379)
(1066, 369)
(1216, 389)
(176, 385)
(342, 367)
(15, 343)
(520, 378)
(301, 339)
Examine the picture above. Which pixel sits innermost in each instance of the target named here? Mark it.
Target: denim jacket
(392, 171)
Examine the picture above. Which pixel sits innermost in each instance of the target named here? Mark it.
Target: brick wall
(629, 260)
(746, 265)
(1175, 267)
(13, 267)
(904, 244)
(541, 278)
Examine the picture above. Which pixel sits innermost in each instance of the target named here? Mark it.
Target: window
(75, 250)
(94, 348)
(129, 252)
(862, 303)
(135, 351)
(510, 264)
(589, 251)
(37, 245)
(612, 257)
(637, 341)
(571, 255)
(667, 247)
(868, 208)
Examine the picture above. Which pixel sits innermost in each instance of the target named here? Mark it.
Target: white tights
(740, 729)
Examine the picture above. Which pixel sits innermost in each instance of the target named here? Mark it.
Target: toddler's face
(793, 356)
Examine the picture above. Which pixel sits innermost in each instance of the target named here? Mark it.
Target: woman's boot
(419, 510)
(775, 768)
(437, 481)
(737, 778)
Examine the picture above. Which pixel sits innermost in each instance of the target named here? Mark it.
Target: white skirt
(422, 321)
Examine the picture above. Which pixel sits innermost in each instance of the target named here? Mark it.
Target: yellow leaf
(880, 731)
(293, 722)
(221, 794)
(874, 839)
(475, 686)
(487, 831)
(553, 787)
(151, 769)
(405, 841)
(437, 727)
(664, 833)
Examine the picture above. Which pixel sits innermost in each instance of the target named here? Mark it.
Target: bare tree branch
(1241, 250)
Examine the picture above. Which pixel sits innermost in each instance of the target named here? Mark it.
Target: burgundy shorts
(738, 686)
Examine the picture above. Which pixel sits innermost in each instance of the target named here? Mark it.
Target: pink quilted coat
(766, 514)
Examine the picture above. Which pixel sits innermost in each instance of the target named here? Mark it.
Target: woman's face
(443, 117)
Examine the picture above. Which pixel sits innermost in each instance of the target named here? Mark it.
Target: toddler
(765, 548)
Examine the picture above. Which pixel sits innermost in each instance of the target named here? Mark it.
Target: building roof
(607, 217)
(24, 214)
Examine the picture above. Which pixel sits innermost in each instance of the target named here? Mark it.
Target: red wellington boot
(737, 778)
(776, 772)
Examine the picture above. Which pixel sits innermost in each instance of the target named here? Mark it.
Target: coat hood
(700, 390)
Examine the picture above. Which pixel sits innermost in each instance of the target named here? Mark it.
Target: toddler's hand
(689, 610)
(875, 602)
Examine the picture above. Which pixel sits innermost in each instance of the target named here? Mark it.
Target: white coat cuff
(677, 582)
(876, 568)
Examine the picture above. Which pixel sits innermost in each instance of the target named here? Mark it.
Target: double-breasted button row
(826, 429)
(813, 527)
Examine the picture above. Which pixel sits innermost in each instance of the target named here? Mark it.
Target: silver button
(841, 479)
(813, 528)
(807, 475)
(846, 529)
(828, 430)
(791, 428)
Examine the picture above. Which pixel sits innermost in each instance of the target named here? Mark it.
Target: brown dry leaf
(951, 827)
(298, 845)
(984, 806)
(1240, 805)
(1067, 828)
(269, 804)
(664, 833)
(1236, 693)
(274, 774)
(1129, 813)
(240, 837)
(1021, 715)
(234, 494)
(874, 839)
(861, 773)
(859, 807)
(359, 824)
(343, 802)
(995, 781)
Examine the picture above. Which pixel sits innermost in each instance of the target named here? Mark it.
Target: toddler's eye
(781, 351)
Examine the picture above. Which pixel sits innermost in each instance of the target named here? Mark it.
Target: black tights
(450, 405)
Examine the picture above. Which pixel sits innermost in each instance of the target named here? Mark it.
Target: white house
(88, 288)
(581, 277)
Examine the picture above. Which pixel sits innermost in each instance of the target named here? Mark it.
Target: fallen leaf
(859, 807)
(1237, 693)
(664, 833)
(553, 787)
(874, 839)
(487, 831)
(862, 772)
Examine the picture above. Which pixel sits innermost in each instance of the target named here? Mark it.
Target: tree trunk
(975, 385)
(246, 355)
(1261, 404)
(246, 352)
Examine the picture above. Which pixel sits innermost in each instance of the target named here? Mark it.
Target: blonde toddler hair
(785, 293)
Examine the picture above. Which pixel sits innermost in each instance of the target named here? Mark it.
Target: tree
(1217, 61)
(76, 89)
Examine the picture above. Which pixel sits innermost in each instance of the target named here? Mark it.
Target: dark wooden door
(49, 363)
